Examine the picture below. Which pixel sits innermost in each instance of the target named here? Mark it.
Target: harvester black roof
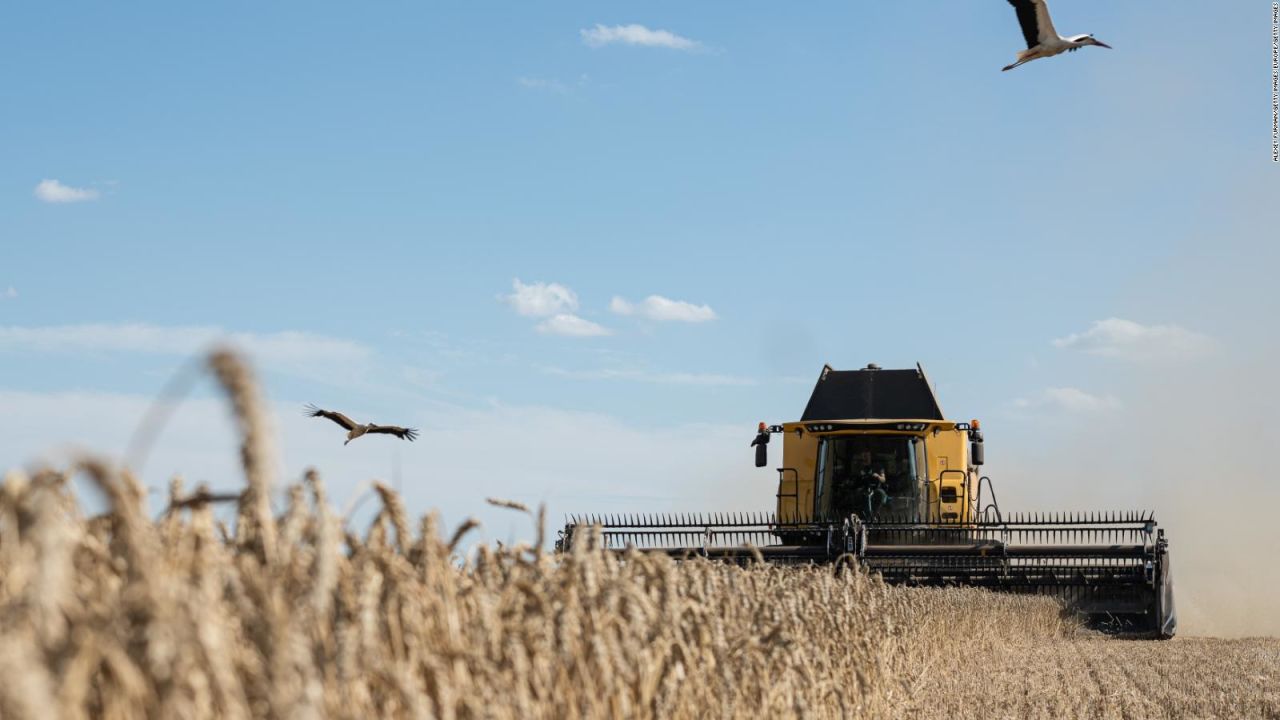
(872, 393)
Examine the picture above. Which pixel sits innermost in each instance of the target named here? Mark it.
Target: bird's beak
(1099, 43)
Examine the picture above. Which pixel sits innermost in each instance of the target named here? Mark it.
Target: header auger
(873, 472)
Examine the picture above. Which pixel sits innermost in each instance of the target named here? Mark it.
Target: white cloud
(553, 85)
(572, 326)
(1068, 399)
(536, 83)
(1125, 339)
(658, 378)
(617, 467)
(315, 356)
(555, 302)
(52, 191)
(656, 307)
(172, 340)
(540, 299)
(638, 35)
(548, 84)
(9, 293)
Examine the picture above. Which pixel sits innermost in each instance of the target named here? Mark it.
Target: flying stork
(355, 430)
(1042, 40)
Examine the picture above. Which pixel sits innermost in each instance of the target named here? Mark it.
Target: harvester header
(873, 471)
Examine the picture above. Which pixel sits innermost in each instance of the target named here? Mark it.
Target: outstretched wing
(1044, 21)
(1033, 17)
(402, 433)
(343, 420)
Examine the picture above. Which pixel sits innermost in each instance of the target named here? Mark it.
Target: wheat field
(294, 614)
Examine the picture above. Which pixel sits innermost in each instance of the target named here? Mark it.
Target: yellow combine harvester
(872, 472)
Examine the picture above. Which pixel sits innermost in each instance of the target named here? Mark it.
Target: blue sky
(351, 192)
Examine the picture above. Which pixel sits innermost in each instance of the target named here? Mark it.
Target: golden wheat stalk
(122, 616)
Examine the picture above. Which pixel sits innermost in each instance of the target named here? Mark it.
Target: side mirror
(976, 454)
(761, 444)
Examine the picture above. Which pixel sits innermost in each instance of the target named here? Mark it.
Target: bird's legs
(1024, 57)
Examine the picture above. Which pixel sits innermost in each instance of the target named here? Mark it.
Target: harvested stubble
(123, 616)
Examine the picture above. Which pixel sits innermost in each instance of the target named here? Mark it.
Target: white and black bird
(355, 430)
(1042, 40)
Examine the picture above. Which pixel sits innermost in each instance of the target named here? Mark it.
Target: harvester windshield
(871, 475)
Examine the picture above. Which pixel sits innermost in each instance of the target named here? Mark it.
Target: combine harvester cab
(874, 473)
